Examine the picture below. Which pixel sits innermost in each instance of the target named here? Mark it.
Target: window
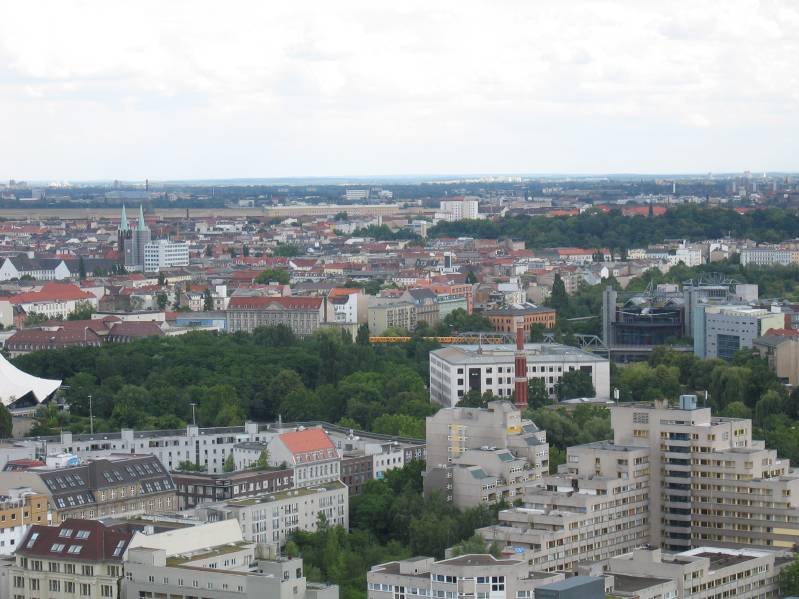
(65, 533)
(82, 534)
(106, 590)
(75, 549)
(87, 570)
(57, 547)
(85, 590)
(55, 586)
(69, 587)
(497, 583)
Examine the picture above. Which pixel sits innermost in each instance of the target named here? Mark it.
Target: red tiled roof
(103, 543)
(52, 291)
(782, 333)
(310, 439)
(289, 303)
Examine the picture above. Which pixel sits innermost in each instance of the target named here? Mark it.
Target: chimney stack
(520, 360)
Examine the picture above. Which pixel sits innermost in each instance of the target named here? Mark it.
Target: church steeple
(142, 224)
(123, 221)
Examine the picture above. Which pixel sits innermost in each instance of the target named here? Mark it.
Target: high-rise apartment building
(165, 254)
(483, 455)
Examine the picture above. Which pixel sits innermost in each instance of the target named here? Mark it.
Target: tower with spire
(131, 241)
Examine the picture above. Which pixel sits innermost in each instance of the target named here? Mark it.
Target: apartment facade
(478, 575)
(457, 369)
(302, 315)
(710, 482)
(118, 486)
(194, 488)
(527, 315)
(165, 254)
(20, 509)
(483, 455)
(272, 518)
(310, 453)
(78, 558)
(399, 315)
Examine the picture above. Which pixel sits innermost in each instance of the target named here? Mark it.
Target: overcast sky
(178, 90)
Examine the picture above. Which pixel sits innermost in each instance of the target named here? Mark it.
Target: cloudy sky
(178, 90)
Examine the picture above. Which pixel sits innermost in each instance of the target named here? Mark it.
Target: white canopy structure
(15, 384)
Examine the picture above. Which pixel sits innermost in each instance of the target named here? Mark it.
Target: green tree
(6, 424)
(472, 545)
(208, 301)
(537, 393)
(789, 579)
(362, 336)
(286, 250)
(162, 300)
(35, 318)
(81, 269)
(471, 278)
(189, 466)
(273, 275)
(575, 383)
(161, 279)
(230, 463)
(83, 311)
(558, 299)
(263, 460)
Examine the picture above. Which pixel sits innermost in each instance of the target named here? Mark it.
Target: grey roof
(504, 353)
(632, 584)
(575, 582)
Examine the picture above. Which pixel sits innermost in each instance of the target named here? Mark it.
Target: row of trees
(153, 382)
(598, 229)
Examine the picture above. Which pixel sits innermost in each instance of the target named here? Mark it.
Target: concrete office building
(723, 330)
(165, 254)
(710, 482)
(481, 576)
(399, 315)
(483, 455)
(457, 369)
(272, 518)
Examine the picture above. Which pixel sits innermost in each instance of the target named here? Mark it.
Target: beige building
(782, 354)
(19, 510)
(400, 315)
(479, 576)
(595, 508)
(710, 482)
(483, 455)
(303, 315)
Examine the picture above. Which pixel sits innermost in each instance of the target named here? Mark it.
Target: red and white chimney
(520, 359)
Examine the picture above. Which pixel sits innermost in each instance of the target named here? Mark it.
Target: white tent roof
(14, 384)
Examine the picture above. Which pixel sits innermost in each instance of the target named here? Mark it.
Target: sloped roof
(310, 439)
(15, 384)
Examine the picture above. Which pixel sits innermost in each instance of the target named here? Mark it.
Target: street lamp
(91, 416)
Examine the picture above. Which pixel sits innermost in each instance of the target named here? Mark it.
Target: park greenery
(612, 230)
(390, 520)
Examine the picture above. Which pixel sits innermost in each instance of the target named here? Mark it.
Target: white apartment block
(272, 518)
(769, 256)
(165, 254)
(458, 209)
(457, 369)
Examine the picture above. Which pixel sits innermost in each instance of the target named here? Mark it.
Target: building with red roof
(302, 315)
(310, 452)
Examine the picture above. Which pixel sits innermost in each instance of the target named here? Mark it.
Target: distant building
(458, 208)
(194, 488)
(131, 242)
(302, 315)
(456, 370)
(782, 353)
(723, 330)
(311, 454)
(165, 254)
(400, 315)
(20, 509)
(526, 315)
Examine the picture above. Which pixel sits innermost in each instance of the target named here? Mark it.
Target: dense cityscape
(465, 299)
(503, 387)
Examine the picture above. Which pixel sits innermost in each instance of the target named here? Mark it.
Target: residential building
(458, 208)
(477, 575)
(349, 305)
(455, 370)
(20, 509)
(782, 353)
(594, 508)
(213, 560)
(194, 488)
(118, 485)
(271, 518)
(426, 302)
(40, 269)
(310, 452)
(769, 256)
(724, 329)
(302, 315)
(52, 300)
(78, 558)
(526, 315)
(483, 455)
(395, 315)
(165, 254)
(710, 482)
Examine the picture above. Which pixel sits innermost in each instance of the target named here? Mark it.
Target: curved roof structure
(15, 384)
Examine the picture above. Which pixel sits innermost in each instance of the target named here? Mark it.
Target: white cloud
(196, 89)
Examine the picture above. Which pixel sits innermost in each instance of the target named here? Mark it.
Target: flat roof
(632, 584)
(536, 352)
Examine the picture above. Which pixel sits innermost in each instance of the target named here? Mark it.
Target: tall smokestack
(520, 359)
